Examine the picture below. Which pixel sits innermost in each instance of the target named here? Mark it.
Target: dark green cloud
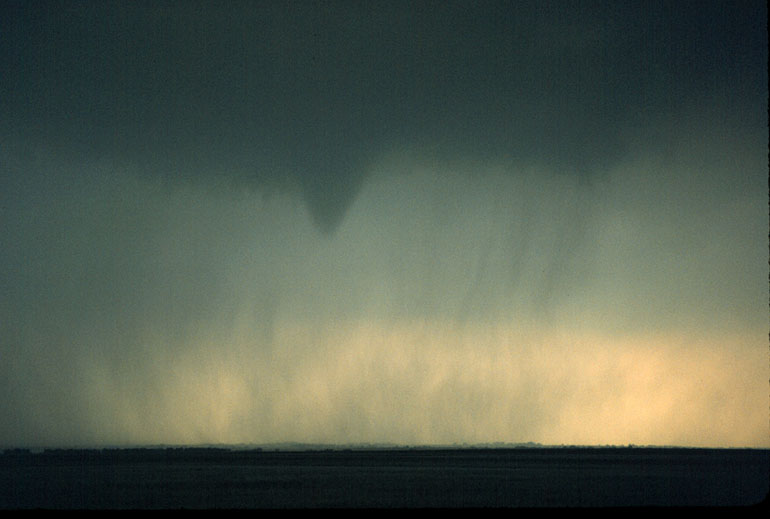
(307, 97)
(324, 222)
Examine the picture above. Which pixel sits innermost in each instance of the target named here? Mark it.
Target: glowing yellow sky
(428, 383)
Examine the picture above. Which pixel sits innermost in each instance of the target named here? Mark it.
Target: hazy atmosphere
(402, 222)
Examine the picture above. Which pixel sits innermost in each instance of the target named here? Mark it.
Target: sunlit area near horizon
(508, 233)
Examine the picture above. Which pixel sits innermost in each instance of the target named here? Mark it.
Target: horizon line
(311, 446)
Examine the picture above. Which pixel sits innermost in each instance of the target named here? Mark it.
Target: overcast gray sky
(406, 222)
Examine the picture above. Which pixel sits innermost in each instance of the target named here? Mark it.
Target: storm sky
(402, 222)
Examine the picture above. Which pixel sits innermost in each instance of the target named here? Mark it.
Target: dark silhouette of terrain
(218, 477)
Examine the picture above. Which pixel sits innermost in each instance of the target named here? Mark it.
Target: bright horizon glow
(368, 383)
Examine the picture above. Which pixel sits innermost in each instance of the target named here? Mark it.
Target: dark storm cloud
(401, 222)
(307, 96)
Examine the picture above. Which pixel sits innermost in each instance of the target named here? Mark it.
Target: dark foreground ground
(221, 478)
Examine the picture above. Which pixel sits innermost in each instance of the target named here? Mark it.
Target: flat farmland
(382, 478)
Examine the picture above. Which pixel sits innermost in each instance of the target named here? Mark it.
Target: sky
(384, 222)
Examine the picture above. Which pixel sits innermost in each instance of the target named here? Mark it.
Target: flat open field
(222, 478)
